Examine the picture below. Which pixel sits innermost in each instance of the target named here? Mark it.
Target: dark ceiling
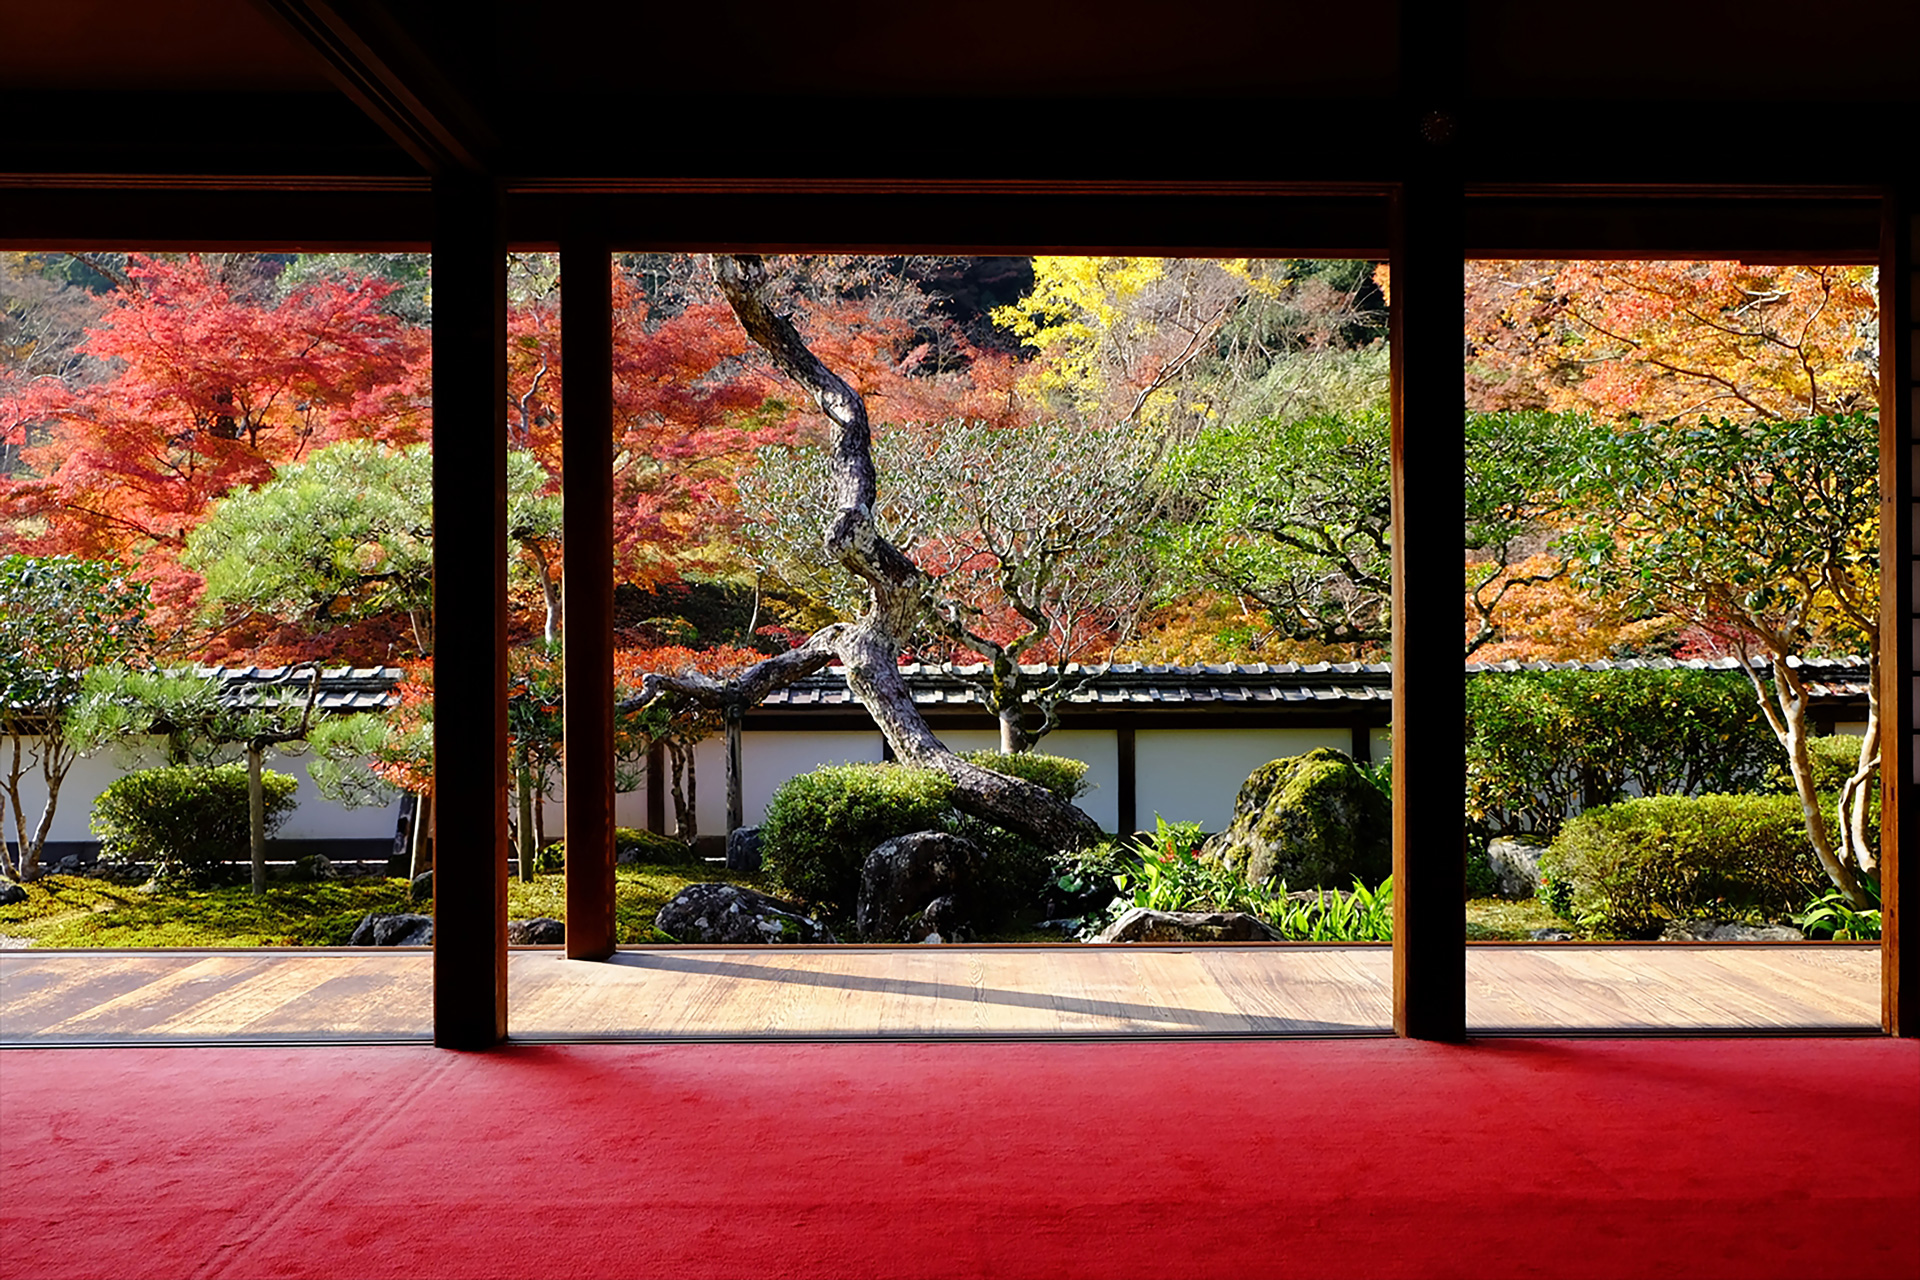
(1279, 90)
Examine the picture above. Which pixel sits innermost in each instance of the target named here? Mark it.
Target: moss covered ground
(76, 911)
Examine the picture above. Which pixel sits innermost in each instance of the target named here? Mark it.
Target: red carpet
(1746, 1159)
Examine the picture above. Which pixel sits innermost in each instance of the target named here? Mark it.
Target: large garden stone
(1516, 867)
(743, 850)
(402, 930)
(918, 884)
(11, 893)
(731, 914)
(540, 931)
(1313, 820)
(1140, 924)
(1728, 931)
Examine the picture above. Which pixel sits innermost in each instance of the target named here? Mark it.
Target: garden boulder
(540, 931)
(1516, 867)
(402, 930)
(1313, 820)
(11, 893)
(916, 887)
(1142, 925)
(732, 914)
(1728, 931)
(743, 850)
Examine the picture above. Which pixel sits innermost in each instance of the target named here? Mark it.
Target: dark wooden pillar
(1428, 482)
(586, 336)
(657, 789)
(1127, 802)
(1899, 610)
(470, 614)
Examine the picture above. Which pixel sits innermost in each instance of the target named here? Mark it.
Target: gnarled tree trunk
(870, 647)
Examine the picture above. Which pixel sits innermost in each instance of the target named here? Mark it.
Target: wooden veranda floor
(119, 997)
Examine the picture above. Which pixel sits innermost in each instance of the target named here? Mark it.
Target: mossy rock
(1313, 821)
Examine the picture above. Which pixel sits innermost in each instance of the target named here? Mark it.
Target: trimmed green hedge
(1018, 870)
(820, 827)
(1064, 777)
(1627, 868)
(1542, 746)
(185, 819)
(634, 844)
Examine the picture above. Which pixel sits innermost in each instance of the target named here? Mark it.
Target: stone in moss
(1313, 821)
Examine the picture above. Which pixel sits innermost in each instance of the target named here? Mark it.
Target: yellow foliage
(1074, 315)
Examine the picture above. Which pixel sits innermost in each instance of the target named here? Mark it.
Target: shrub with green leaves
(1017, 869)
(630, 844)
(1834, 760)
(1543, 745)
(820, 826)
(1627, 868)
(187, 820)
(1066, 778)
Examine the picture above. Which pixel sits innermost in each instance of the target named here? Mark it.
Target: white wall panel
(1192, 775)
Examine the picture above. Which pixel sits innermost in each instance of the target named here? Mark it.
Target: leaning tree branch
(897, 590)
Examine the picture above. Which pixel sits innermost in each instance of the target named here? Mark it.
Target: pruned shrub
(630, 844)
(1627, 868)
(1834, 760)
(1542, 746)
(187, 820)
(1065, 777)
(820, 826)
(1018, 870)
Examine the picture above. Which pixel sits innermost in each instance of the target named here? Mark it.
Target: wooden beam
(470, 614)
(1803, 227)
(288, 214)
(1429, 698)
(586, 426)
(1428, 482)
(964, 217)
(387, 75)
(1899, 391)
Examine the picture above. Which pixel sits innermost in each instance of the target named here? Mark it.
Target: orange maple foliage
(212, 391)
(1671, 339)
(1554, 621)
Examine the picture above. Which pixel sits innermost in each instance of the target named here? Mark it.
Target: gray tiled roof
(341, 688)
(1259, 684)
(1125, 685)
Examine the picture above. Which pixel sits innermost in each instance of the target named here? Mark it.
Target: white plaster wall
(1379, 744)
(766, 761)
(1099, 748)
(629, 807)
(314, 817)
(769, 759)
(1192, 775)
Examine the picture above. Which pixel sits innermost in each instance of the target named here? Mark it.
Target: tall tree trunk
(870, 648)
(523, 809)
(1787, 714)
(256, 818)
(684, 784)
(736, 808)
(12, 864)
(1856, 794)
